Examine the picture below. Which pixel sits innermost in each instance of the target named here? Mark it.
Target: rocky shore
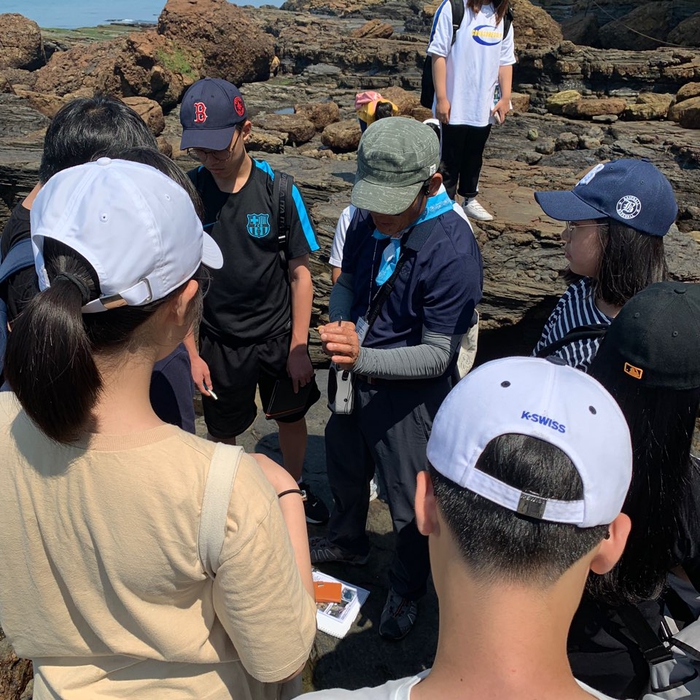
(300, 67)
(584, 93)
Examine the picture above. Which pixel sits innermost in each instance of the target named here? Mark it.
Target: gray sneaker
(323, 552)
(398, 616)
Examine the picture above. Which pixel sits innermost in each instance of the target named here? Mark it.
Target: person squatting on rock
(406, 236)
(473, 79)
(616, 219)
(649, 362)
(256, 316)
(371, 106)
(102, 584)
(517, 510)
(80, 131)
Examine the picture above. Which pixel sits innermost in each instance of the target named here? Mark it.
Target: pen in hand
(210, 391)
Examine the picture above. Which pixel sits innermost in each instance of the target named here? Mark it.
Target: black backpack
(427, 87)
(19, 257)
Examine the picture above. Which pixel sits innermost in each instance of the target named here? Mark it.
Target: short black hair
(383, 110)
(168, 167)
(88, 126)
(500, 545)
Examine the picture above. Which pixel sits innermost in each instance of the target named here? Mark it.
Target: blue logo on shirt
(486, 35)
(258, 225)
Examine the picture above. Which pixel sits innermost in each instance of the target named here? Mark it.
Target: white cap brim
(211, 253)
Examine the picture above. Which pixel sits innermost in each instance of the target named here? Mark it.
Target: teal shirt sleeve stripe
(304, 220)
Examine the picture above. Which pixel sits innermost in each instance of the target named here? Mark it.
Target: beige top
(101, 583)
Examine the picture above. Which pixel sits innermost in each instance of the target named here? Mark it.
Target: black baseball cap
(655, 339)
(210, 112)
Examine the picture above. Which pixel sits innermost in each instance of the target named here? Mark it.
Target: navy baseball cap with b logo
(210, 112)
(633, 192)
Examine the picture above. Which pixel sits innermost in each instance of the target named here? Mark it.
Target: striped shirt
(575, 308)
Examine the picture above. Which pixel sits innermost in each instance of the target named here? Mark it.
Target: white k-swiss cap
(553, 402)
(137, 228)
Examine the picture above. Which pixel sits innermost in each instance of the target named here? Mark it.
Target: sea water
(70, 14)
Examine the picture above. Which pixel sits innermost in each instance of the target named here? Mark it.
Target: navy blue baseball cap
(210, 112)
(633, 192)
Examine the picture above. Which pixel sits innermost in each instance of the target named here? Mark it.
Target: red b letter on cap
(200, 112)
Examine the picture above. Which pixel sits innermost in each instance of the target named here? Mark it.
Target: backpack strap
(588, 332)
(651, 645)
(18, 257)
(282, 195)
(457, 17)
(215, 503)
(507, 22)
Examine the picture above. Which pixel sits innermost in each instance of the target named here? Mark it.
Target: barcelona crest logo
(258, 225)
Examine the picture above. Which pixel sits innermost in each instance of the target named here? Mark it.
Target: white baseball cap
(137, 228)
(553, 402)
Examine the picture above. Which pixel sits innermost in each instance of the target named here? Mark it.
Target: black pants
(388, 430)
(462, 156)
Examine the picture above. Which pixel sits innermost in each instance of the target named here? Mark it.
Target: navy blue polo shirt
(438, 286)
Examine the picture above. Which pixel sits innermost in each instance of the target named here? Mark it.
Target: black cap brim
(213, 139)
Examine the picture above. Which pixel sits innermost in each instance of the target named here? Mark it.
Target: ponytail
(49, 363)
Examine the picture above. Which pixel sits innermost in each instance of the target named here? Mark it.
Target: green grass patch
(177, 61)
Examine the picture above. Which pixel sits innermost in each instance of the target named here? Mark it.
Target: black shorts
(235, 374)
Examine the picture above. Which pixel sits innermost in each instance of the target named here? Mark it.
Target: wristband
(299, 491)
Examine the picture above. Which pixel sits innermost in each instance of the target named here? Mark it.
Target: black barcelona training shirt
(249, 298)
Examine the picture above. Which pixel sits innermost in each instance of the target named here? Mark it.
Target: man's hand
(501, 107)
(442, 110)
(340, 341)
(299, 367)
(200, 374)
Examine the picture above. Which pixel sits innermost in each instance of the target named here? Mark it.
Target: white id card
(361, 327)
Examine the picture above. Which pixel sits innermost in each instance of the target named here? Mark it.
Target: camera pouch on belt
(341, 397)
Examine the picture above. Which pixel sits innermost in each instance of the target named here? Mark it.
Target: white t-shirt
(472, 61)
(341, 229)
(400, 690)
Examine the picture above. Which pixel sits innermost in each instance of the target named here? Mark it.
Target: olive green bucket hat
(395, 158)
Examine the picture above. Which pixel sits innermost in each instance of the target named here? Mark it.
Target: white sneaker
(474, 210)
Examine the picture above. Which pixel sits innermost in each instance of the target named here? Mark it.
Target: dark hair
(383, 110)
(435, 128)
(661, 423)
(501, 545)
(630, 262)
(90, 125)
(168, 167)
(49, 362)
(501, 7)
